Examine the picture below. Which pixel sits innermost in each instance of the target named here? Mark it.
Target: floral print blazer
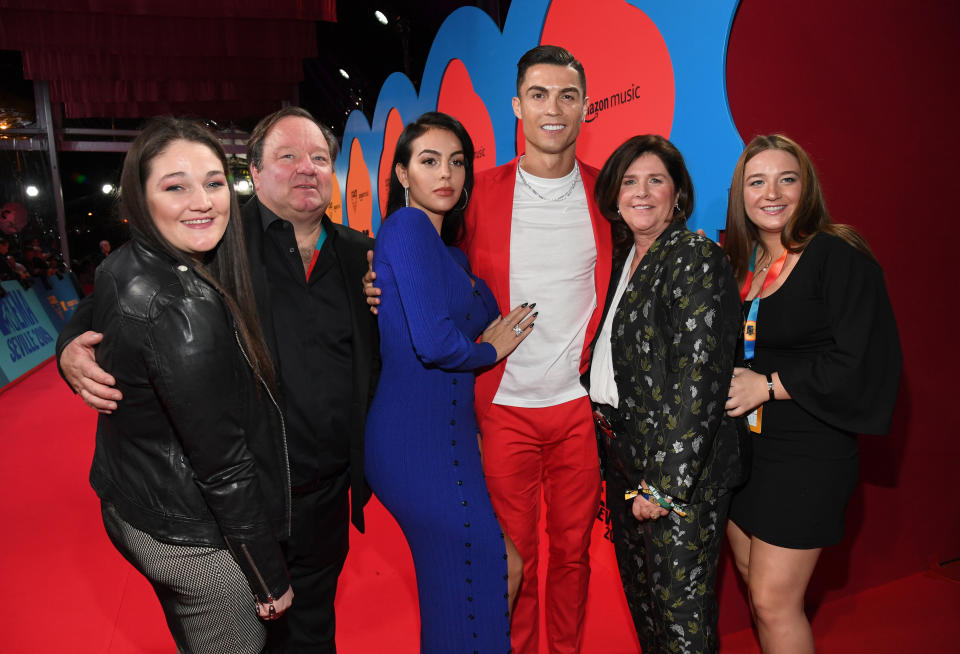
(674, 342)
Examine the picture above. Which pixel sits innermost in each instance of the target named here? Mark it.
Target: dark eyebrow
(782, 172)
(543, 89)
(429, 151)
(180, 173)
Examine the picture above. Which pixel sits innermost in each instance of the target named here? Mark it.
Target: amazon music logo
(615, 99)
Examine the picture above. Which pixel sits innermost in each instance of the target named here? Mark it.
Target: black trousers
(316, 551)
(668, 568)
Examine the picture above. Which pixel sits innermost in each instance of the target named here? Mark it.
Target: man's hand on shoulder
(78, 363)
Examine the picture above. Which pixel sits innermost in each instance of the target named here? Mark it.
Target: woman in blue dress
(422, 454)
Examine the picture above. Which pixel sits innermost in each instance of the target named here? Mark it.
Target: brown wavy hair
(225, 267)
(808, 219)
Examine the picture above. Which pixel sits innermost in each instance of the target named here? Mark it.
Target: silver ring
(518, 330)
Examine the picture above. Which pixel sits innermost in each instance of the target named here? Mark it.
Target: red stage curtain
(117, 58)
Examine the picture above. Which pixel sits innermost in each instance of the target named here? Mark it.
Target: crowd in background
(22, 260)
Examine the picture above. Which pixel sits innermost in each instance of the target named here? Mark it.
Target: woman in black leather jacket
(191, 468)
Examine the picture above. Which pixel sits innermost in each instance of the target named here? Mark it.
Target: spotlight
(380, 17)
(344, 74)
(242, 186)
(32, 191)
(107, 189)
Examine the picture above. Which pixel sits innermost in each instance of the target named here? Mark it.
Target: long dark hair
(611, 175)
(809, 218)
(225, 267)
(452, 229)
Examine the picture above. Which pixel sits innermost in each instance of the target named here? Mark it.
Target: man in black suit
(304, 270)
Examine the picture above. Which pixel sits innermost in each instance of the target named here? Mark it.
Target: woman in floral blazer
(661, 367)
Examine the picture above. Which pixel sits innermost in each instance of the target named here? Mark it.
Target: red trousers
(552, 450)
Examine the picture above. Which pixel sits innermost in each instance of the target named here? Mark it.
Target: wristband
(770, 385)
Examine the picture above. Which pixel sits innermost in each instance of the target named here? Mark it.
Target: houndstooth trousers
(205, 597)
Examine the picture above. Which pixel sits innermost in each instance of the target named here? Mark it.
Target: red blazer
(487, 244)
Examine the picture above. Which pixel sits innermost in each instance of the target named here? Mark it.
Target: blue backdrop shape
(696, 34)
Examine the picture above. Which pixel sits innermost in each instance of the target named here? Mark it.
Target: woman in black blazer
(660, 370)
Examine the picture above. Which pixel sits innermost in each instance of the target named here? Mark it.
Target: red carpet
(66, 589)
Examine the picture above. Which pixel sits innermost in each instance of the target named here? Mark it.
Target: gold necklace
(772, 259)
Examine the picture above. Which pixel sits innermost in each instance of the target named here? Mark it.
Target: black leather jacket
(195, 454)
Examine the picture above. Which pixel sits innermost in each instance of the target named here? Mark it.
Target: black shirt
(311, 319)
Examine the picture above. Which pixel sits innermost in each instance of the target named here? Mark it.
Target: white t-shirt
(603, 388)
(553, 254)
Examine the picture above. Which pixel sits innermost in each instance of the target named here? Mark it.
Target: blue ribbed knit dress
(422, 459)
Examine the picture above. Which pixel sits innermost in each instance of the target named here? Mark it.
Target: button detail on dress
(182, 268)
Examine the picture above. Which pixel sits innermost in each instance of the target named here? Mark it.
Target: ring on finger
(518, 330)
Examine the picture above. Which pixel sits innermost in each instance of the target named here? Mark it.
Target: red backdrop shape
(458, 99)
(630, 82)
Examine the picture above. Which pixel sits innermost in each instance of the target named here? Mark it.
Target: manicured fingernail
(535, 313)
(524, 304)
(532, 305)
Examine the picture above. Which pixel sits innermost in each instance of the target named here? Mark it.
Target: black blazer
(351, 248)
(674, 342)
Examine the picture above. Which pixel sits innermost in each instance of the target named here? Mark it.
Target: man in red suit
(535, 235)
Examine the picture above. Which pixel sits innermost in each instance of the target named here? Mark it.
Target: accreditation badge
(754, 418)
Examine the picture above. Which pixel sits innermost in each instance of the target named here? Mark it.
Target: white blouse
(603, 388)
